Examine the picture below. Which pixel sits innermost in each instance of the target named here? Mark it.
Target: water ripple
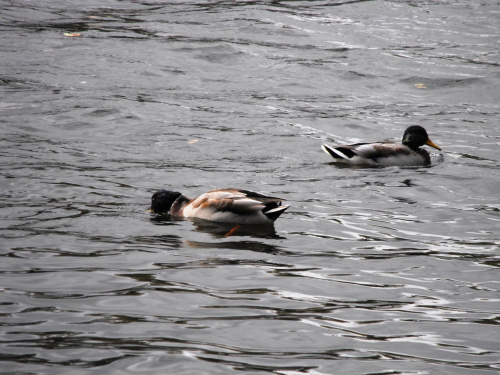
(371, 271)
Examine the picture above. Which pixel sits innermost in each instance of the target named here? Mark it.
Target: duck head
(162, 200)
(416, 136)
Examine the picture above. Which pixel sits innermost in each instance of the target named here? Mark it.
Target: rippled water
(371, 271)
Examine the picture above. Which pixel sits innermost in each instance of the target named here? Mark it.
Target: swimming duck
(222, 205)
(386, 154)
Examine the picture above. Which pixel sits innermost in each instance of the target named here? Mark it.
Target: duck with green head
(384, 154)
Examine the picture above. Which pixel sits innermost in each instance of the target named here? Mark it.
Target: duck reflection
(225, 230)
(220, 230)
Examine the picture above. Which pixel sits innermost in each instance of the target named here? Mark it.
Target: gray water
(371, 271)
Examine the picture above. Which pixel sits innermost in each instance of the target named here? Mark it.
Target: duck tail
(338, 152)
(274, 213)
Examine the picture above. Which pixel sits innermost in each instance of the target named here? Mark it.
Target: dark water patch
(214, 263)
(16, 85)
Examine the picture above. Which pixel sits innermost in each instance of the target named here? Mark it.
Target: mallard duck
(222, 205)
(387, 153)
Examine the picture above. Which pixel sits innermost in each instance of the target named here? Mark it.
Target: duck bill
(432, 144)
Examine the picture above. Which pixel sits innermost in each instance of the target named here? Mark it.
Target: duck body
(386, 154)
(383, 154)
(223, 205)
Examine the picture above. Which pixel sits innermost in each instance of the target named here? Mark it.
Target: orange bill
(432, 144)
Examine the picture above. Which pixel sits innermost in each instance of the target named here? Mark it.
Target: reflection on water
(371, 271)
(221, 230)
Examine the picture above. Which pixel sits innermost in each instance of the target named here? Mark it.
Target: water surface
(371, 271)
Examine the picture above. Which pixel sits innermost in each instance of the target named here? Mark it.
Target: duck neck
(414, 147)
(178, 205)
